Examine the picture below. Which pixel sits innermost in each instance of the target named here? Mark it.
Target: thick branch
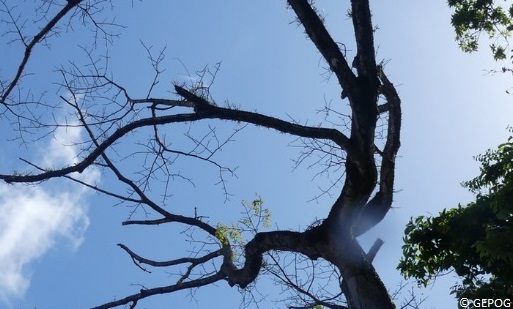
(364, 34)
(153, 263)
(325, 44)
(203, 111)
(380, 204)
(393, 138)
(371, 254)
(261, 243)
(208, 110)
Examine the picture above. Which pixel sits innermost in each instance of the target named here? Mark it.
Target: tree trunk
(363, 287)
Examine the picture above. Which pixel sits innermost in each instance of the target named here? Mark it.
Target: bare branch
(193, 261)
(144, 293)
(204, 111)
(324, 43)
(346, 147)
(35, 40)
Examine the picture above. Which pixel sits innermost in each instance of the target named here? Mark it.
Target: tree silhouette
(108, 113)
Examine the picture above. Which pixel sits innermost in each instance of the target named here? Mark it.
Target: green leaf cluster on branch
(471, 18)
(475, 240)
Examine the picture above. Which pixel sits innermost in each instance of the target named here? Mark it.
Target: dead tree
(366, 192)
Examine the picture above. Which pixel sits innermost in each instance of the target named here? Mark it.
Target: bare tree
(108, 112)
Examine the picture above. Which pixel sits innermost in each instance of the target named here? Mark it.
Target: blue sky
(58, 241)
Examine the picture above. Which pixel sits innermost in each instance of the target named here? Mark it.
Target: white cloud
(34, 218)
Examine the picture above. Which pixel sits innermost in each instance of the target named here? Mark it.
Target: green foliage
(475, 241)
(473, 17)
(254, 217)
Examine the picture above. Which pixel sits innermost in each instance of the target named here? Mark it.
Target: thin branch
(204, 111)
(36, 39)
(144, 293)
(153, 263)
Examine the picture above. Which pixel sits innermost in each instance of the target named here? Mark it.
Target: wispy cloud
(34, 218)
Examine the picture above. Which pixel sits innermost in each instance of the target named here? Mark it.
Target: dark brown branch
(153, 263)
(362, 92)
(93, 187)
(394, 106)
(204, 111)
(371, 254)
(36, 39)
(364, 34)
(156, 101)
(380, 204)
(204, 108)
(114, 169)
(332, 240)
(88, 160)
(325, 44)
(176, 218)
(383, 108)
(261, 243)
(144, 293)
